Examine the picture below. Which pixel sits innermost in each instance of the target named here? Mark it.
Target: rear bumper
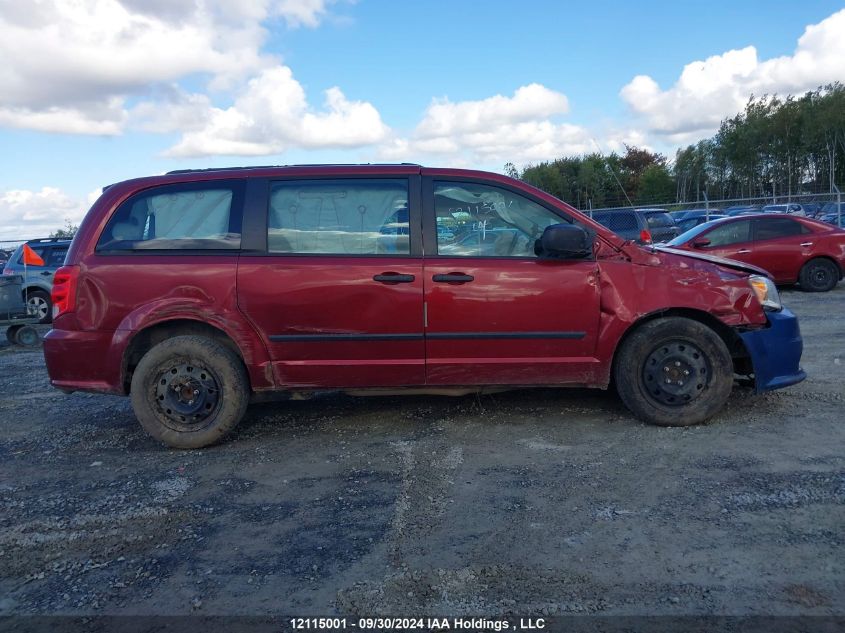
(84, 361)
(776, 352)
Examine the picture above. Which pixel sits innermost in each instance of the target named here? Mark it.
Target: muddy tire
(674, 372)
(818, 275)
(189, 391)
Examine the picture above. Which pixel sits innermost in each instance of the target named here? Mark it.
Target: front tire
(189, 391)
(818, 275)
(674, 371)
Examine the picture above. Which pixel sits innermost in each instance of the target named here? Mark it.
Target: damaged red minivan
(195, 291)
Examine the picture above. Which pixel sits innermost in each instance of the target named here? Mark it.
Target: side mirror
(701, 242)
(564, 241)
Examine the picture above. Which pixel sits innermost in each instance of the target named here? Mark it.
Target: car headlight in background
(766, 292)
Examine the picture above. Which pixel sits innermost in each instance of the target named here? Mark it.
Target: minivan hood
(721, 261)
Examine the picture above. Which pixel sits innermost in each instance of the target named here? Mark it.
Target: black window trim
(236, 220)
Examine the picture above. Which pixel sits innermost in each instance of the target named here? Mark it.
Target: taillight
(645, 236)
(64, 290)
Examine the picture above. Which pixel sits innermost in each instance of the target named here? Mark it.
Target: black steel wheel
(189, 391)
(673, 371)
(819, 275)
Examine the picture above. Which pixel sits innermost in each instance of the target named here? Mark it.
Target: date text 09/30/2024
(413, 623)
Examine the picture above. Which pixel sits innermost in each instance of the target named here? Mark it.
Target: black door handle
(393, 278)
(453, 278)
(46, 273)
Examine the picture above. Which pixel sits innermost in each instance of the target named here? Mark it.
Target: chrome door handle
(806, 243)
(743, 251)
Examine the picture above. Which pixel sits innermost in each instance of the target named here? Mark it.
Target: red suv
(196, 291)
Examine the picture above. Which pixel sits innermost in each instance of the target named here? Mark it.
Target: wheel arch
(736, 346)
(147, 338)
(829, 258)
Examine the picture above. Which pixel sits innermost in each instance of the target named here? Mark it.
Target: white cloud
(273, 115)
(67, 64)
(30, 214)
(490, 131)
(710, 90)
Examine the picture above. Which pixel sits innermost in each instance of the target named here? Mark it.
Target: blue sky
(105, 90)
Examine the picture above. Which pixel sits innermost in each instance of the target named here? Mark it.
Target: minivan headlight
(766, 292)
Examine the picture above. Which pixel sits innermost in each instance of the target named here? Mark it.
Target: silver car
(38, 280)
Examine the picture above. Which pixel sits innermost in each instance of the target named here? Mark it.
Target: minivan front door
(495, 313)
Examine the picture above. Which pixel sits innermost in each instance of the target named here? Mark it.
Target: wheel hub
(187, 395)
(675, 373)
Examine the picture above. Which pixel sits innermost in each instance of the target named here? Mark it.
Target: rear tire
(27, 336)
(674, 371)
(38, 304)
(189, 391)
(819, 275)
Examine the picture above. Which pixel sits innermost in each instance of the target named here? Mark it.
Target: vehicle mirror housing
(701, 243)
(564, 241)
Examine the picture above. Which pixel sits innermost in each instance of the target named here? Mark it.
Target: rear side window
(659, 220)
(41, 251)
(339, 217)
(620, 221)
(773, 228)
(202, 216)
(56, 256)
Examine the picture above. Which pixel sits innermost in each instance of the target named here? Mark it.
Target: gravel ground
(528, 502)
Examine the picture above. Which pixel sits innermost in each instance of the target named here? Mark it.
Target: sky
(97, 91)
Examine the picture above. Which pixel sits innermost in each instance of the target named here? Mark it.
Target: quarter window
(339, 217)
(475, 220)
(177, 217)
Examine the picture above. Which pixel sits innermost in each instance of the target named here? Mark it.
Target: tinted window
(488, 221)
(621, 221)
(729, 233)
(177, 217)
(339, 217)
(56, 256)
(655, 220)
(773, 228)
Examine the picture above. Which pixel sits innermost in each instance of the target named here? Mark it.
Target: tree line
(774, 147)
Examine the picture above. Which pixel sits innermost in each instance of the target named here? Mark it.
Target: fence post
(706, 206)
(838, 206)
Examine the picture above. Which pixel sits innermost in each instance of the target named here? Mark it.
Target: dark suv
(193, 292)
(38, 281)
(643, 226)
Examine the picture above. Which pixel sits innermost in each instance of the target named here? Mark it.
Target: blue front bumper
(776, 352)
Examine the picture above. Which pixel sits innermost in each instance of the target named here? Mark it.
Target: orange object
(30, 257)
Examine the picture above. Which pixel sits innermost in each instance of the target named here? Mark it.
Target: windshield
(693, 232)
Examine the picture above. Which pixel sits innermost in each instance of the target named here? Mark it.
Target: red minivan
(195, 291)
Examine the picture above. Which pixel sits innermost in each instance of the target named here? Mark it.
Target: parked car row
(778, 238)
(38, 277)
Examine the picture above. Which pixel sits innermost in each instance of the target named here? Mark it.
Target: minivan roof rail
(205, 169)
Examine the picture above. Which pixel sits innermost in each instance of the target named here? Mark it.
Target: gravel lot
(528, 502)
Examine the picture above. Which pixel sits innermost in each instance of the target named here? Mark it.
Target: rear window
(659, 220)
(203, 216)
(620, 221)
